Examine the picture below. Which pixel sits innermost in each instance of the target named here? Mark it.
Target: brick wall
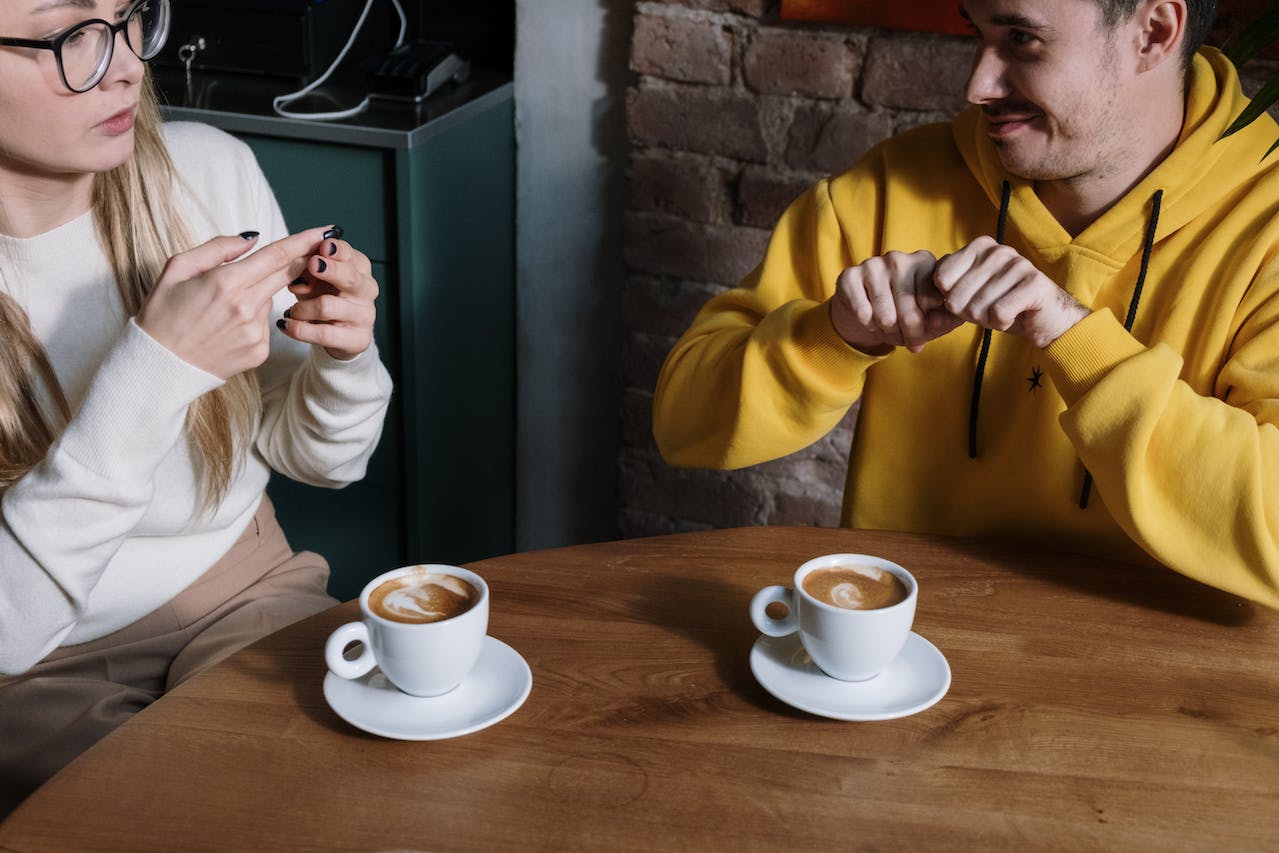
(732, 114)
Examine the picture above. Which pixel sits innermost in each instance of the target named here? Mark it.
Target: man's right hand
(889, 301)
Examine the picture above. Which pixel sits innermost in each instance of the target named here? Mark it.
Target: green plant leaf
(1260, 102)
(1255, 37)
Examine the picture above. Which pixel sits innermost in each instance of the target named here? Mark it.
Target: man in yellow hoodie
(1060, 312)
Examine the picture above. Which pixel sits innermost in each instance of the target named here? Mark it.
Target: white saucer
(915, 680)
(498, 685)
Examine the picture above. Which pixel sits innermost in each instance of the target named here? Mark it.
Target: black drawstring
(1146, 246)
(1004, 193)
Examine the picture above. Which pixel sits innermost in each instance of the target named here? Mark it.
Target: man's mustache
(1003, 109)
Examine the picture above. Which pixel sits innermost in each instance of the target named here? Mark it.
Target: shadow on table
(308, 690)
(1141, 586)
(716, 616)
(296, 655)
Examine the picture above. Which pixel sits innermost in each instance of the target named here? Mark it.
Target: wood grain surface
(1094, 706)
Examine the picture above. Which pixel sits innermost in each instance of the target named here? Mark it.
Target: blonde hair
(135, 211)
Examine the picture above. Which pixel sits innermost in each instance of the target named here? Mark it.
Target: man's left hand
(990, 284)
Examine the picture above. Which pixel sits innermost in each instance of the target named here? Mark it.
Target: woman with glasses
(164, 345)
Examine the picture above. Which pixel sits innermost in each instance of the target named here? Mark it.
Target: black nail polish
(321, 266)
(279, 324)
(333, 249)
(299, 280)
(288, 313)
(334, 233)
(249, 235)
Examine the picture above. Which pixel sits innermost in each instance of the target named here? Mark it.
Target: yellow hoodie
(1174, 421)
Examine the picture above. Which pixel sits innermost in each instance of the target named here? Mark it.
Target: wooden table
(1093, 706)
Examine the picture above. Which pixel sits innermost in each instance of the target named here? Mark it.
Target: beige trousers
(76, 695)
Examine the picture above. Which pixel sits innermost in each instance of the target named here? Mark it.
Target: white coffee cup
(847, 644)
(420, 658)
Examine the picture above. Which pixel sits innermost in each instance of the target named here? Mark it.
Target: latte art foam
(847, 595)
(422, 597)
(855, 587)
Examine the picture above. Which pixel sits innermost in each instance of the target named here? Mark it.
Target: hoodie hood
(1200, 171)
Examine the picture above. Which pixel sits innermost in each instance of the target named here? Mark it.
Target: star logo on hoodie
(1035, 379)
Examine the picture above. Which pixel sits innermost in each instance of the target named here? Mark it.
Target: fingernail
(333, 249)
(334, 233)
(249, 235)
(320, 265)
(299, 280)
(287, 313)
(279, 324)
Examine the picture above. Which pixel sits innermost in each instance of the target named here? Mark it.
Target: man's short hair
(1200, 15)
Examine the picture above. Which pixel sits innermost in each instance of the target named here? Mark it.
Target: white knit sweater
(106, 528)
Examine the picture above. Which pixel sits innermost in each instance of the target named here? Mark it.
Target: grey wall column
(570, 84)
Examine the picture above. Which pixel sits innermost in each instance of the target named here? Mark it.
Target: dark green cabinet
(435, 214)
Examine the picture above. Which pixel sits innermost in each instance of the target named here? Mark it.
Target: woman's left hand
(335, 295)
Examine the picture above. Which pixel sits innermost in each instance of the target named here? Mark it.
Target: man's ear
(1160, 29)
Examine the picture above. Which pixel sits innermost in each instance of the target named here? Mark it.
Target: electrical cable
(279, 103)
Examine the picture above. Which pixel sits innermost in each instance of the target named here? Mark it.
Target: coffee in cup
(855, 586)
(422, 596)
(423, 627)
(852, 612)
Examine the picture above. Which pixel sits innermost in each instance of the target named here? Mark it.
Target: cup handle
(767, 624)
(338, 641)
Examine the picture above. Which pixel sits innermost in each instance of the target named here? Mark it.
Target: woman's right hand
(211, 306)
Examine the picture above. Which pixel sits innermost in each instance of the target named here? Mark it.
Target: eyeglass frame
(55, 44)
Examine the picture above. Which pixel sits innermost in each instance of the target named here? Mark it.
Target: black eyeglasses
(84, 51)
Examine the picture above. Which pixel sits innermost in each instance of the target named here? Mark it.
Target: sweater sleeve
(61, 524)
(1192, 479)
(321, 417)
(322, 423)
(761, 372)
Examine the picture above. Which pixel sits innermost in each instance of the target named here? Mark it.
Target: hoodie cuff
(831, 357)
(1082, 357)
